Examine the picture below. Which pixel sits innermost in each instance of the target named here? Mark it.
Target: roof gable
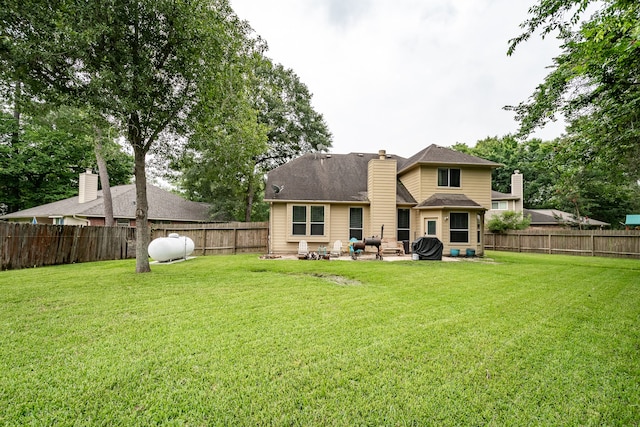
(437, 155)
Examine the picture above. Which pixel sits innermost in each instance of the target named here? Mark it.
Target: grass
(234, 340)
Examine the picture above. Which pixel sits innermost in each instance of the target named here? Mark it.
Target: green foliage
(41, 159)
(566, 174)
(523, 340)
(147, 66)
(594, 81)
(508, 220)
(269, 122)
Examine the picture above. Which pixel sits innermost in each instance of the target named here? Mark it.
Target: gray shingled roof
(442, 200)
(434, 154)
(163, 205)
(556, 217)
(327, 177)
(496, 195)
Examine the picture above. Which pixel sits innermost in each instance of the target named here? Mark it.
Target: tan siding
(279, 230)
(336, 227)
(382, 185)
(475, 183)
(339, 227)
(411, 181)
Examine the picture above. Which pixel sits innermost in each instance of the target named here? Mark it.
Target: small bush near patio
(235, 340)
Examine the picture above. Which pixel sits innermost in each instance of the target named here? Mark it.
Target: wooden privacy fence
(218, 239)
(25, 245)
(610, 243)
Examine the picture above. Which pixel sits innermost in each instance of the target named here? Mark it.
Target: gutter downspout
(87, 222)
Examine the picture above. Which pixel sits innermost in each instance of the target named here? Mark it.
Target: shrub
(508, 220)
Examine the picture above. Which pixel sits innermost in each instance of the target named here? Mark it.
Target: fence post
(235, 240)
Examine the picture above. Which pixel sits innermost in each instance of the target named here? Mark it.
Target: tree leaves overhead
(146, 65)
(42, 164)
(595, 81)
(565, 174)
(268, 122)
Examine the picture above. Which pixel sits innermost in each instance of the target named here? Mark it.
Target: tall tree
(534, 158)
(275, 113)
(594, 82)
(561, 174)
(42, 155)
(143, 64)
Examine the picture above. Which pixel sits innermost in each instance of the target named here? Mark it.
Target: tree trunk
(249, 205)
(15, 135)
(104, 179)
(143, 232)
(14, 188)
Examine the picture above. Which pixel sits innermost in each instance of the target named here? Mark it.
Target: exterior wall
(282, 241)
(381, 186)
(381, 189)
(511, 206)
(443, 230)
(411, 181)
(69, 220)
(279, 230)
(475, 183)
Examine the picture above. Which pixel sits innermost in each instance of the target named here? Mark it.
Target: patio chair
(303, 249)
(337, 249)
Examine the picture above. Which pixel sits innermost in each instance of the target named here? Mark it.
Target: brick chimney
(88, 190)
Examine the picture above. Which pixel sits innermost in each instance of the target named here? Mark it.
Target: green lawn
(235, 340)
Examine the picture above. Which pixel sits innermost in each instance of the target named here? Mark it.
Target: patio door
(431, 227)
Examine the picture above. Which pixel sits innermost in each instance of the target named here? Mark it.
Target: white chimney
(88, 187)
(517, 190)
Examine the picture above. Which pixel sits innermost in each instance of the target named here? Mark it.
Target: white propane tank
(170, 248)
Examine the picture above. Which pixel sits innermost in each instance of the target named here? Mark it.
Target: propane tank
(170, 248)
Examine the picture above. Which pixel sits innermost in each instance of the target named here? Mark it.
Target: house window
(317, 220)
(431, 227)
(299, 221)
(355, 223)
(403, 224)
(448, 177)
(122, 222)
(499, 205)
(459, 227)
(58, 221)
(308, 218)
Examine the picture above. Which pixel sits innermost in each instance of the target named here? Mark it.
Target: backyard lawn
(236, 340)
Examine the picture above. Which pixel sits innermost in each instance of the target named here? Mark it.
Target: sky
(401, 75)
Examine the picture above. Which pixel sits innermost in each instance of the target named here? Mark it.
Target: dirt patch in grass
(337, 280)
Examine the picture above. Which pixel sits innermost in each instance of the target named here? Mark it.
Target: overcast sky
(401, 75)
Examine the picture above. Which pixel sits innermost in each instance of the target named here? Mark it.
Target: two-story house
(321, 198)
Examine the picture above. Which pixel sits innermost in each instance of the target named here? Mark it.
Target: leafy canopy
(594, 82)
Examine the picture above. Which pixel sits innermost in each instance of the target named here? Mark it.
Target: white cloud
(402, 75)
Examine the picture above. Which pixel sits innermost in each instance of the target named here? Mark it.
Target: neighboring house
(88, 207)
(540, 218)
(321, 198)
